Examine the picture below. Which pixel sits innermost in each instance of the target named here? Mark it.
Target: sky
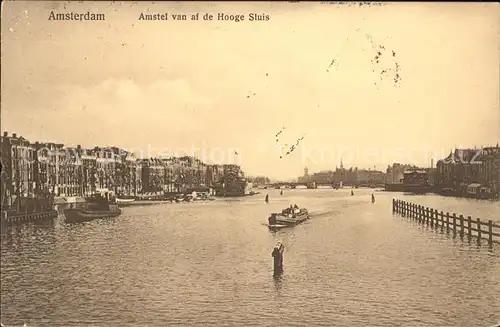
(222, 90)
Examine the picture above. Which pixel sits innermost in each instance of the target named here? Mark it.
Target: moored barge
(96, 206)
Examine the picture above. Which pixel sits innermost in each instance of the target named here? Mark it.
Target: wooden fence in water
(481, 230)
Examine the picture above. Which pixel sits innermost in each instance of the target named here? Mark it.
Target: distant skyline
(225, 89)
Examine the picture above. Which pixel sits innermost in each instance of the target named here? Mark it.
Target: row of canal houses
(50, 168)
(464, 172)
(467, 171)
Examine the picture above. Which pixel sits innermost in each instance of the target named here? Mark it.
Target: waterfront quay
(354, 263)
(32, 171)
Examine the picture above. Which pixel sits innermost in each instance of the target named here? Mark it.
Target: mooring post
(277, 254)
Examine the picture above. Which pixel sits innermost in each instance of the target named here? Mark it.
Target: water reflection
(278, 280)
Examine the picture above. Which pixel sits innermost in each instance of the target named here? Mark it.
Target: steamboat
(288, 217)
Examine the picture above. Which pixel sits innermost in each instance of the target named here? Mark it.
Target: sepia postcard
(184, 163)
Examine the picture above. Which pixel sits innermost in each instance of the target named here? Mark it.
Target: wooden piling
(461, 225)
(490, 232)
(447, 221)
(277, 255)
(478, 229)
(469, 227)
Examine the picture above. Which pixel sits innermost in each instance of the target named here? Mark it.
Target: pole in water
(277, 255)
(267, 198)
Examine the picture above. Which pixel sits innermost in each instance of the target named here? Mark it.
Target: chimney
(14, 135)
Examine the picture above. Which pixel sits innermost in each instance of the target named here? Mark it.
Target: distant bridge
(311, 185)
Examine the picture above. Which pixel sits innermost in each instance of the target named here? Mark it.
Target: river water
(209, 264)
